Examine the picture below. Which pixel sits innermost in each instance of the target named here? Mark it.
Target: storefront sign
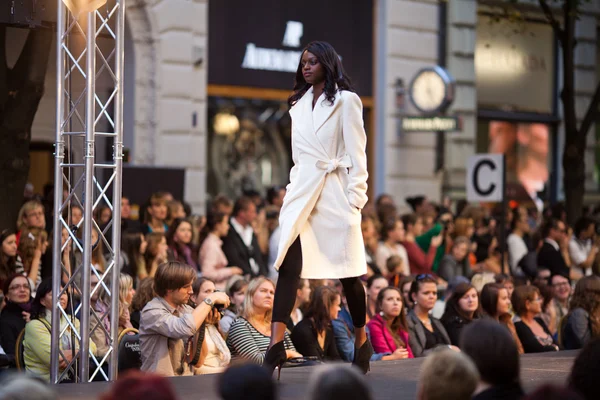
(428, 124)
(514, 65)
(259, 43)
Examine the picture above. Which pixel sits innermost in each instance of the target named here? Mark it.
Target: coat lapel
(323, 109)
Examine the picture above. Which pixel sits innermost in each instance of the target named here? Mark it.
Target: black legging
(287, 283)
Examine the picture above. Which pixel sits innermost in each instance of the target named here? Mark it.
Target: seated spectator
(248, 382)
(542, 277)
(395, 267)
(583, 321)
(388, 329)
(424, 331)
(31, 215)
(561, 289)
(496, 356)
(102, 215)
(155, 254)
(15, 313)
(440, 304)
(456, 263)
(493, 262)
(133, 248)
(98, 260)
(249, 335)
(237, 293)
(10, 262)
(548, 314)
(447, 375)
(167, 321)
(138, 385)
(128, 225)
(208, 348)
(404, 287)
(392, 233)
(302, 300)
(175, 211)
(126, 293)
(371, 239)
(143, 295)
(507, 282)
(554, 253)
(374, 284)
(313, 336)
(179, 239)
(531, 329)
(241, 243)
(32, 246)
(36, 342)
(156, 214)
(333, 382)
(213, 260)
(582, 250)
(222, 204)
(496, 304)
(462, 308)
(419, 261)
(586, 370)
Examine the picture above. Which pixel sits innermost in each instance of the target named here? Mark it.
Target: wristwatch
(209, 302)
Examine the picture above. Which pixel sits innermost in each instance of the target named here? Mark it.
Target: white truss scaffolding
(87, 121)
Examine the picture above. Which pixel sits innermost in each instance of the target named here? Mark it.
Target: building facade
(209, 100)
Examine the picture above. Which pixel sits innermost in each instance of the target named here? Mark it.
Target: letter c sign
(485, 178)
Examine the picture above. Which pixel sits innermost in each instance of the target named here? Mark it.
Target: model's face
(469, 301)
(427, 296)
(503, 305)
(303, 294)
(561, 288)
(335, 308)
(312, 70)
(205, 290)
(9, 246)
(391, 304)
(19, 291)
(376, 287)
(35, 218)
(263, 297)
(183, 233)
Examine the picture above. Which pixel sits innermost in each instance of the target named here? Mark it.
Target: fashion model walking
(320, 218)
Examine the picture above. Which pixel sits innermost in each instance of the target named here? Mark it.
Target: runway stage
(387, 379)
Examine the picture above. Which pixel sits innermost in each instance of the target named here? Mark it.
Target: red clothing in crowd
(420, 263)
(381, 337)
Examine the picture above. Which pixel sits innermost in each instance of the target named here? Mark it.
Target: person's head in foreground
(338, 382)
(246, 381)
(14, 386)
(140, 385)
(586, 371)
(494, 352)
(447, 375)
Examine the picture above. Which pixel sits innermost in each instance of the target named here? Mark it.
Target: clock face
(428, 91)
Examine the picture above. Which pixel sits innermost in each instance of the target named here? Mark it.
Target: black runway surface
(388, 379)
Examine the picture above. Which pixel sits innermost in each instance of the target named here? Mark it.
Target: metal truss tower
(89, 123)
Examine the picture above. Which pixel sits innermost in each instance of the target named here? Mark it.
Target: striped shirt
(244, 341)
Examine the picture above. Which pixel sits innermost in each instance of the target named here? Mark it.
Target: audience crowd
(197, 293)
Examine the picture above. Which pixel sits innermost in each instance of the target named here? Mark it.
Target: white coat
(328, 187)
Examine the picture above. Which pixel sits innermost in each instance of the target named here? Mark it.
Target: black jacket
(528, 339)
(239, 255)
(305, 339)
(549, 257)
(11, 324)
(454, 325)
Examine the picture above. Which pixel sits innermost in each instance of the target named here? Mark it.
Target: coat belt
(332, 165)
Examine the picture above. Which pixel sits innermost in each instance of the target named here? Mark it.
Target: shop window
(527, 150)
(248, 145)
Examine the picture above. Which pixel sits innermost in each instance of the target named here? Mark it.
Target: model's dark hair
(334, 73)
(493, 350)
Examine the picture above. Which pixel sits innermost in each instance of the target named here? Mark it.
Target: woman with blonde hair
(250, 334)
(126, 293)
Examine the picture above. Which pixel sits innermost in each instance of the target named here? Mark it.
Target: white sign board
(485, 177)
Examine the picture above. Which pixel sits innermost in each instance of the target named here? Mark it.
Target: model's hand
(220, 298)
